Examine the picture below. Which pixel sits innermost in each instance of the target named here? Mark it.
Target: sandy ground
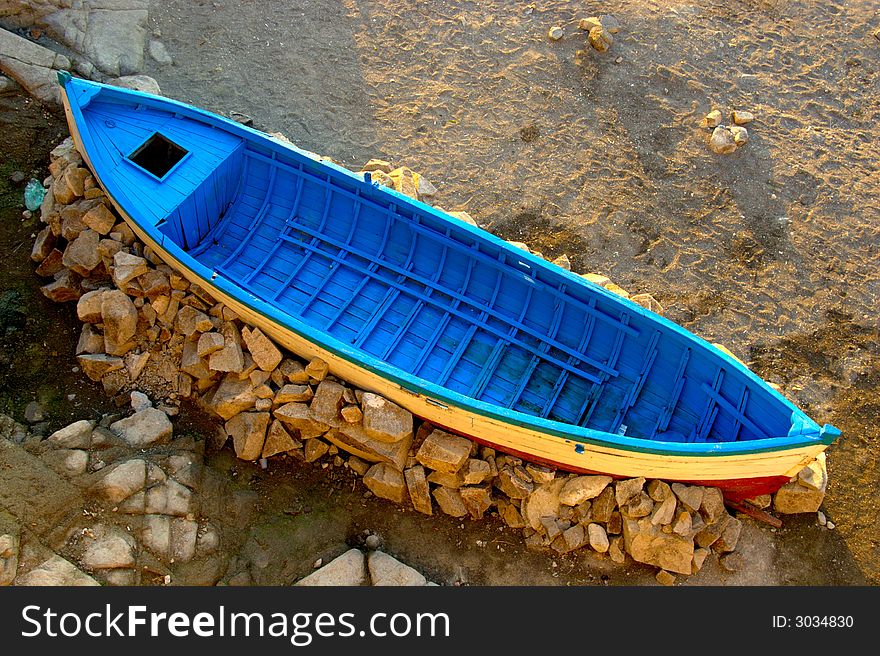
(772, 251)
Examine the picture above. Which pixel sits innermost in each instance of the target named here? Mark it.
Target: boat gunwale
(811, 434)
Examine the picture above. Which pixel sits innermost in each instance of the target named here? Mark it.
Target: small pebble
(372, 542)
(821, 517)
(740, 135)
(714, 118)
(587, 24)
(555, 33)
(601, 39)
(741, 118)
(318, 563)
(721, 142)
(830, 526)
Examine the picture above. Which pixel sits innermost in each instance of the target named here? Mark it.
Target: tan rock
(405, 181)
(815, 475)
(729, 536)
(51, 265)
(587, 24)
(386, 481)
(90, 341)
(463, 216)
(579, 489)
(542, 502)
(512, 485)
(96, 366)
(477, 499)
(119, 315)
(648, 302)
(232, 397)
(598, 538)
(43, 244)
(664, 512)
(262, 349)
(352, 438)
(690, 495)
(294, 372)
(721, 142)
(639, 506)
(327, 401)
(377, 165)
(127, 267)
(100, 219)
(347, 570)
(794, 498)
(209, 343)
(352, 414)
(191, 321)
(294, 394)
(600, 38)
(555, 33)
(386, 421)
(81, 255)
(699, 558)
(88, 307)
(475, 472)
(450, 501)
(122, 481)
(665, 578)
(741, 117)
(145, 428)
(646, 543)
(229, 358)
(317, 369)
(714, 118)
(315, 449)
(444, 451)
(617, 289)
(626, 490)
(616, 550)
(419, 492)
(740, 135)
(712, 506)
(65, 287)
(248, 433)
(298, 417)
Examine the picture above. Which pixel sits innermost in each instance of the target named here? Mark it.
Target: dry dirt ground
(773, 250)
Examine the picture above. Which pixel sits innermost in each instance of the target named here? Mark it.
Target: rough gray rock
(56, 571)
(386, 570)
(75, 436)
(144, 428)
(123, 480)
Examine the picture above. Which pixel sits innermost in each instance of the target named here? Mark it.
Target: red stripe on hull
(734, 489)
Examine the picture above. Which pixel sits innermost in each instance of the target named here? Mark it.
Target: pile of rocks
(725, 139)
(147, 328)
(600, 31)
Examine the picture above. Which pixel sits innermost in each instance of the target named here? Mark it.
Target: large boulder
(347, 569)
(145, 428)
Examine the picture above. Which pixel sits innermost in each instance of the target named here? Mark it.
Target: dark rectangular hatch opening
(158, 155)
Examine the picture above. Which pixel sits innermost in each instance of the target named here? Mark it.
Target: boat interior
(436, 299)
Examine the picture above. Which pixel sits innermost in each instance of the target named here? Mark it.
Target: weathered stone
(77, 435)
(352, 414)
(664, 512)
(512, 485)
(510, 514)
(405, 181)
(665, 578)
(317, 369)
(169, 498)
(721, 142)
(454, 481)
(571, 538)
(294, 394)
(346, 570)
(639, 506)
(81, 255)
(444, 452)
(112, 550)
(135, 363)
(616, 550)
(627, 489)
(127, 267)
(712, 506)
(729, 536)
(191, 321)
(88, 307)
(610, 23)
(384, 420)
(233, 396)
(690, 495)
(579, 489)
(386, 481)
(123, 480)
(352, 438)
(119, 315)
(477, 500)
(144, 428)
(326, 403)
(378, 165)
(732, 562)
(43, 244)
(65, 287)
(463, 216)
(699, 558)
(184, 534)
(550, 527)
(542, 502)
(156, 534)
(10, 543)
(763, 501)
(682, 524)
(475, 471)
(90, 341)
(555, 33)
(741, 117)
(646, 543)
(740, 135)
(388, 571)
(450, 501)
(419, 492)
(598, 538)
(794, 498)
(248, 432)
(229, 358)
(315, 449)
(709, 533)
(100, 219)
(278, 440)
(713, 119)
(815, 475)
(51, 265)
(298, 416)
(600, 39)
(263, 350)
(648, 302)
(358, 466)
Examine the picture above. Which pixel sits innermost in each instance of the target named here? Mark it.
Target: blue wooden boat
(452, 323)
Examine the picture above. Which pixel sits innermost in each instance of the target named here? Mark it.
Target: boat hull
(739, 475)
